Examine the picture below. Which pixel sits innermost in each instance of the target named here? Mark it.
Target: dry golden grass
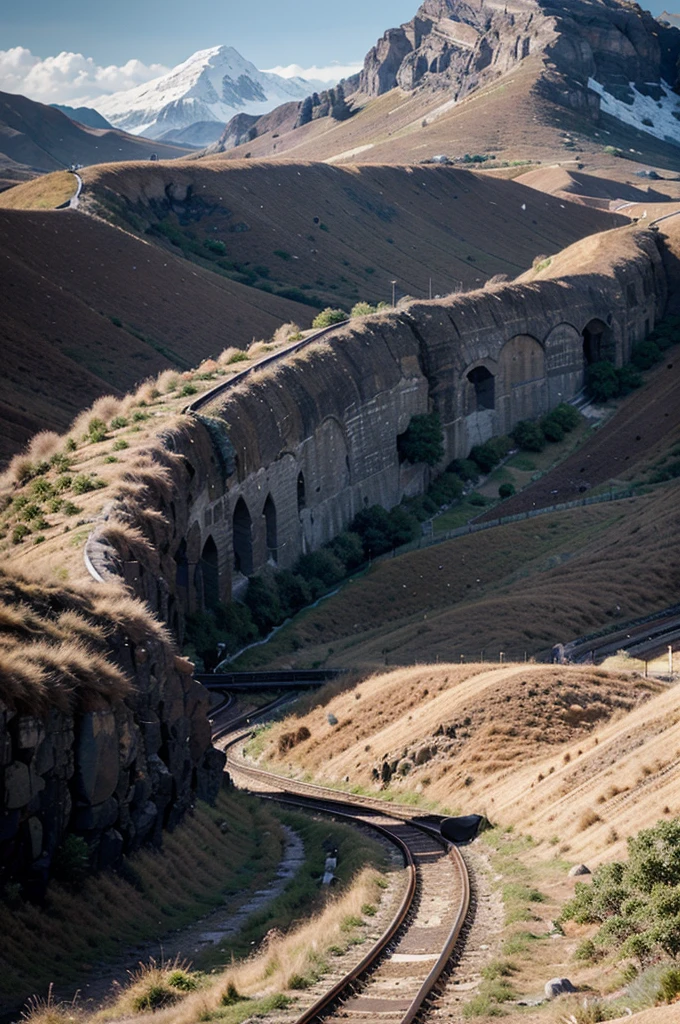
(532, 746)
(45, 193)
(216, 856)
(297, 955)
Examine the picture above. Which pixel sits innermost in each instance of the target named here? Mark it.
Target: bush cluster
(422, 441)
(637, 902)
(532, 436)
(327, 317)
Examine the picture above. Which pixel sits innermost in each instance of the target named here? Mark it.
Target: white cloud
(69, 78)
(330, 74)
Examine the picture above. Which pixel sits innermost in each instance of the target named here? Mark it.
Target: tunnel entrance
(484, 384)
(243, 539)
(210, 574)
(270, 523)
(598, 342)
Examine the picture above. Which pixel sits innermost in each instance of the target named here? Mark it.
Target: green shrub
(71, 861)
(327, 317)
(446, 489)
(120, 445)
(567, 416)
(118, 422)
(321, 565)
(628, 378)
(362, 309)
(669, 985)
(155, 996)
(422, 441)
(83, 483)
(602, 381)
(645, 354)
(485, 456)
(477, 499)
(182, 980)
(96, 430)
(70, 509)
(552, 428)
(466, 469)
(529, 436)
(188, 389)
(20, 532)
(231, 996)
(348, 548)
(506, 490)
(294, 592)
(262, 598)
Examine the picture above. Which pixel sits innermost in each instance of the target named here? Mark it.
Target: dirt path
(188, 943)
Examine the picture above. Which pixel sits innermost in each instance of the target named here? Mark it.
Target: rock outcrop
(459, 45)
(112, 759)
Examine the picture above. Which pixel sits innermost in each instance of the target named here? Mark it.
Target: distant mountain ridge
(83, 115)
(212, 85)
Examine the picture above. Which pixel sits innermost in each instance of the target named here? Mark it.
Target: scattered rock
(579, 869)
(558, 987)
(332, 720)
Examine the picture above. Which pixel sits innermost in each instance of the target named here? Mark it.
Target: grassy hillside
(43, 193)
(543, 748)
(339, 235)
(42, 138)
(90, 310)
(506, 118)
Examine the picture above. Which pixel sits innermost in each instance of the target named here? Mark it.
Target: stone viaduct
(279, 464)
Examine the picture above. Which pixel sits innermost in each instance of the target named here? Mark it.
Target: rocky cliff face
(103, 732)
(459, 45)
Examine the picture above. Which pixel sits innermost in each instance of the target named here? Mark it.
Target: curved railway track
(400, 972)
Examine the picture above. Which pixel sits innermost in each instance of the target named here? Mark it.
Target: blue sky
(70, 51)
(267, 32)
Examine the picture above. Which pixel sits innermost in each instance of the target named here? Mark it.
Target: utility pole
(394, 294)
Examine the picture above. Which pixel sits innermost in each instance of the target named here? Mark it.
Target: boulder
(97, 756)
(558, 987)
(21, 785)
(579, 869)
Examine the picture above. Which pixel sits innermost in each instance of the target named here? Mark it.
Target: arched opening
(182, 563)
(210, 574)
(270, 523)
(301, 494)
(598, 342)
(485, 388)
(243, 539)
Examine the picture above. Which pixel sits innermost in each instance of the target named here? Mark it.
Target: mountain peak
(212, 84)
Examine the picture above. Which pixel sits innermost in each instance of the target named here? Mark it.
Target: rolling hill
(339, 235)
(42, 138)
(90, 310)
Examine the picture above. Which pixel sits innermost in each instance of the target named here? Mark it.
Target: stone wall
(114, 773)
(281, 463)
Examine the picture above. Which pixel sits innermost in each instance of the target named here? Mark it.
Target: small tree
(529, 436)
(327, 317)
(602, 381)
(422, 441)
(506, 490)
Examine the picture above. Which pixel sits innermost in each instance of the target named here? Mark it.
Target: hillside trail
(188, 943)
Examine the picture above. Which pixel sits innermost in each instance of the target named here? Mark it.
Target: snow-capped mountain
(212, 85)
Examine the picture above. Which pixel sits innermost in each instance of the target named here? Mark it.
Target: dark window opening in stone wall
(210, 574)
(270, 523)
(301, 493)
(598, 342)
(484, 384)
(243, 539)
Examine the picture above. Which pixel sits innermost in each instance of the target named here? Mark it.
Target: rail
(277, 678)
(418, 863)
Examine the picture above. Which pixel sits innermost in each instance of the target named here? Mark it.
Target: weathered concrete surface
(281, 463)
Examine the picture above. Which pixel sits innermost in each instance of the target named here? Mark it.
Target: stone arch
(522, 384)
(210, 574)
(242, 527)
(269, 513)
(301, 492)
(563, 345)
(598, 342)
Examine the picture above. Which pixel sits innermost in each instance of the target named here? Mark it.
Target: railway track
(402, 970)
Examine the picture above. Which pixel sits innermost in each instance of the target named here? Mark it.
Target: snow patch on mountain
(657, 117)
(212, 85)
